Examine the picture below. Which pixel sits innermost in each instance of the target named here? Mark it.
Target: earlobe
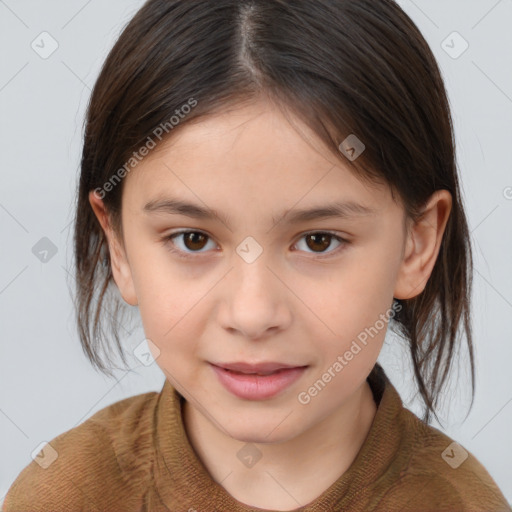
(121, 270)
(422, 246)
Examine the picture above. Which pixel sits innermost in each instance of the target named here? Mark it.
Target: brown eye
(321, 242)
(186, 243)
(318, 242)
(194, 240)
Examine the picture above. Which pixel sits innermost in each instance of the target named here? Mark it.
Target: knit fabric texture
(134, 455)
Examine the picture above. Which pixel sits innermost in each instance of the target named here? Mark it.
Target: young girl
(273, 183)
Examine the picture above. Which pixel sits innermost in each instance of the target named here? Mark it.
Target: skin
(289, 305)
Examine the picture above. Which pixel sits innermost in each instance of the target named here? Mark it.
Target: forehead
(251, 154)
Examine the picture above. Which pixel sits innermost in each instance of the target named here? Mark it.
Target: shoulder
(442, 475)
(102, 464)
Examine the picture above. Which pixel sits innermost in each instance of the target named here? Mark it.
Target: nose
(256, 301)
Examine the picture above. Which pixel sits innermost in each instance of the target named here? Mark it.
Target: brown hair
(341, 66)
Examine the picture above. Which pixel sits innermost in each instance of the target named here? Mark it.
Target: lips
(260, 381)
(267, 368)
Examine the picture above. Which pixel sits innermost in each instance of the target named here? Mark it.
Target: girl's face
(257, 282)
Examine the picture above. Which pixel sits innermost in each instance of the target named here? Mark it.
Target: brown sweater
(134, 455)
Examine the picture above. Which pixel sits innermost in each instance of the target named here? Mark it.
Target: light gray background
(46, 384)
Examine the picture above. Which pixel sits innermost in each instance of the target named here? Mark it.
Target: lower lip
(257, 387)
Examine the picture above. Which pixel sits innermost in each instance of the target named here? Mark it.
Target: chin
(264, 432)
(259, 438)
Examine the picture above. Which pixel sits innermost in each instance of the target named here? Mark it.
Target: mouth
(257, 381)
(267, 368)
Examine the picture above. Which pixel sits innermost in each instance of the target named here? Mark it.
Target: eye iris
(320, 241)
(192, 239)
(324, 238)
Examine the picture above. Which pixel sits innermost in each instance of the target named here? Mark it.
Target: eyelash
(182, 254)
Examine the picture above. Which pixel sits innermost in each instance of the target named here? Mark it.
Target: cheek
(171, 313)
(165, 292)
(354, 308)
(174, 322)
(170, 304)
(354, 298)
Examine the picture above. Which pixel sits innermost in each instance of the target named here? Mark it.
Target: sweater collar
(182, 481)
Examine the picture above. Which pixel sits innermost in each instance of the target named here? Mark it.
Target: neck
(282, 478)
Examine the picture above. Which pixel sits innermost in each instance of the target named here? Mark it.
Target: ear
(120, 266)
(422, 246)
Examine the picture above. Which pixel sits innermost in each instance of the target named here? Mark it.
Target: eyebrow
(343, 210)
